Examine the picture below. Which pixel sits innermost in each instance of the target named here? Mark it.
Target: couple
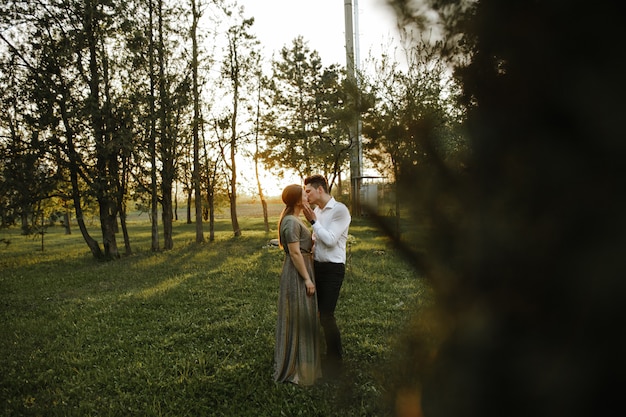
(310, 282)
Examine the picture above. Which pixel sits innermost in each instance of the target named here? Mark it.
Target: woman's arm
(298, 261)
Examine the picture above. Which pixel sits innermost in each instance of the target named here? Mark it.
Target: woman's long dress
(297, 353)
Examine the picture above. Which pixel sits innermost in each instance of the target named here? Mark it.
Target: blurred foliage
(524, 244)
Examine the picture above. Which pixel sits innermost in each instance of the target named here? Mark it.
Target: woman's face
(304, 200)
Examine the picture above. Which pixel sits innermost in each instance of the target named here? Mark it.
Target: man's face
(312, 194)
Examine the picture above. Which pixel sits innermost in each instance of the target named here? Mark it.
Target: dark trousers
(328, 280)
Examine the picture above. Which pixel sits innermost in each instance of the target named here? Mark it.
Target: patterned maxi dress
(297, 353)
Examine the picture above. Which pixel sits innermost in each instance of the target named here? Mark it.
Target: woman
(297, 353)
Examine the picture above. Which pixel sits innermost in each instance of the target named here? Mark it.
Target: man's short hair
(317, 181)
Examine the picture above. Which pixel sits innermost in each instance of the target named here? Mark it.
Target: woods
(114, 106)
(521, 243)
(499, 133)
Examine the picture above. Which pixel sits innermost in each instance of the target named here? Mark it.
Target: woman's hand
(310, 287)
(308, 213)
(298, 262)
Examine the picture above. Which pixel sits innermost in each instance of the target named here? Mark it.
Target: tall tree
(305, 130)
(238, 70)
(170, 83)
(95, 24)
(196, 121)
(152, 132)
(26, 175)
(415, 120)
(63, 47)
(165, 138)
(211, 179)
(108, 94)
(261, 81)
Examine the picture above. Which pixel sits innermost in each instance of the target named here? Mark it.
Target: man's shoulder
(342, 205)
(332, 203)
(338, 206)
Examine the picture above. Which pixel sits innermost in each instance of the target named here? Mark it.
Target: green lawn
(189, 332)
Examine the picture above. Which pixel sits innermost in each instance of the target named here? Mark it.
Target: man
(330, 221)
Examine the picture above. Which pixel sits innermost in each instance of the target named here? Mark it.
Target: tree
(257, 147)
(523, 256)
(95, 22)
(306, 129)
(415, 121)
(196, 121)
(162, 98)
(152, 130)
(27, 176)
(237, 71)
(51, 51)
(98, 96)
(166, 141)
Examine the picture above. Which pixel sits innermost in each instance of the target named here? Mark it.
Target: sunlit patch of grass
(161, 287)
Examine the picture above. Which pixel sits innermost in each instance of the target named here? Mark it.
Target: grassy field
(188, 332)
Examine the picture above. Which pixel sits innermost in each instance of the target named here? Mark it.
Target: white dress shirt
(331, 232)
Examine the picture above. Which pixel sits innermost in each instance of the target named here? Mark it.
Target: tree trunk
(211, 171)
(397, 217)
(189, 203)
(42, 231)
(196, 116)
(108, 221)
(233, 211)
(166, 138)
(103, 180)
(67, 218)
(176, 202)
(211, 217)
(233, 200)
(339, 185)
(262, 198)
(73, 168)
(167, 215)
(233, 165)
(127, 248)
(256, 160)
(154, 199)
(25, 224)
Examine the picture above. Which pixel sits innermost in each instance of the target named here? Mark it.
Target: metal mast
(352, 64)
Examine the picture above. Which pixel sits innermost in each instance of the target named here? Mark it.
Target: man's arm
(340, 221)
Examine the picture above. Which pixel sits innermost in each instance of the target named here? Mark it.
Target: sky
(322, 24)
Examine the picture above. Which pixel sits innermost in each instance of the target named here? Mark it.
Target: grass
(187, 332)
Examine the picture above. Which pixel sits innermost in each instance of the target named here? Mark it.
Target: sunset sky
(322, 25)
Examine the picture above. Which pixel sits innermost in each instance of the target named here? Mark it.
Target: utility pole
(352, 64)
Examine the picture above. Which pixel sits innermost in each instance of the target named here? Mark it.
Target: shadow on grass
(185, 332)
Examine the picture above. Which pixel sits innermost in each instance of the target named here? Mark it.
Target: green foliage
(186, 332)
(306, 125)
(416, 118)
(524, 252)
